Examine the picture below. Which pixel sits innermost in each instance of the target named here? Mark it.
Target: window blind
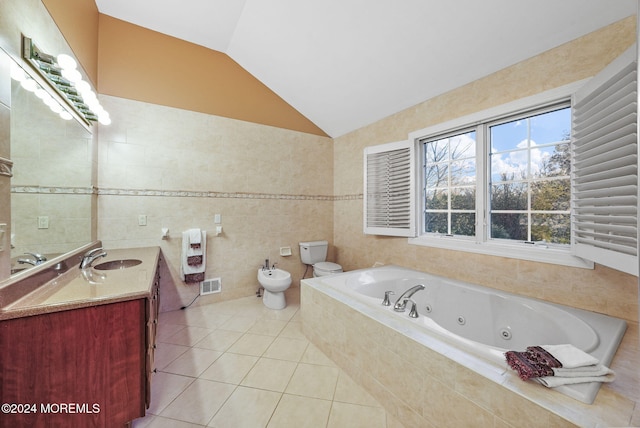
(389, 177)
(605, 171)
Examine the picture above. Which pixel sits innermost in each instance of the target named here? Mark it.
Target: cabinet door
(77, 368)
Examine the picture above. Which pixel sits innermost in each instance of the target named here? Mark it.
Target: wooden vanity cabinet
(152, 309)
(86, 367)
(76, 368)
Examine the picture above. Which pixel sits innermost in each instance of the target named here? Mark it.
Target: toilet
(314, 253)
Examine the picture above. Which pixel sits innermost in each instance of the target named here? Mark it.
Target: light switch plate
(142, 220)
(43, 222)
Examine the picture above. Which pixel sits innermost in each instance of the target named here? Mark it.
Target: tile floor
(237, 364)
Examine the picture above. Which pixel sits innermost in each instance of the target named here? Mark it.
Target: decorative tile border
(54, 190)
(6, 167)
(177, 193)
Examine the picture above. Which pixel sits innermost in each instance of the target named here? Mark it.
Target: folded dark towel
(194, 260)
(534, 362)
(194, 277)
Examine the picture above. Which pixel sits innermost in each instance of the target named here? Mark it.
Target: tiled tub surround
(432, 384)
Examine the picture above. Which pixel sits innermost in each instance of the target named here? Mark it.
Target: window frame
(482, 243)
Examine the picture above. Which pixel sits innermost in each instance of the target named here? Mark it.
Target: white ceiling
(347, 63)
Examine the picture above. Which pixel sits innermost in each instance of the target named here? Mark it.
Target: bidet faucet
(90, 256)
(401, 303)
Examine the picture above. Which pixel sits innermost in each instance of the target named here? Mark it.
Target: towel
(195, 238)
(194, 249)
(193, 260)
(595, 373)
(534, 362)
(570, 356)
(555, 365)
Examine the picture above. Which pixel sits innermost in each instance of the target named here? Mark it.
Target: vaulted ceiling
(347, 63)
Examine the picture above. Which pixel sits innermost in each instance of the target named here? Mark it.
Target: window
(500, 186)
(550, 178)
(450, 184)
(529, 188)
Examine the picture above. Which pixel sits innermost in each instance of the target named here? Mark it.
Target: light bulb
(104, 119)
(66, 115)
(29, 84)
(82, 86)
(72, 75)
(41, 93)
(56, 108)
(66, 62)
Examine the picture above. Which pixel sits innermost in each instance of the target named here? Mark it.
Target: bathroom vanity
(78, 350)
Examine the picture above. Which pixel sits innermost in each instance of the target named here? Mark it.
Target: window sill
(514, 251)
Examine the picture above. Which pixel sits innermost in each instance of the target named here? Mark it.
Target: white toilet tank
(313, 252)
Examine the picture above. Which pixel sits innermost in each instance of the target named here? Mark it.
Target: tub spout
(401, 303)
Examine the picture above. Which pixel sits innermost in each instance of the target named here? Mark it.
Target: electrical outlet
(217, 219)
(142, 220)
(43, 222)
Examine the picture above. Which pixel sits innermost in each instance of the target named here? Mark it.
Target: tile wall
(272, 188)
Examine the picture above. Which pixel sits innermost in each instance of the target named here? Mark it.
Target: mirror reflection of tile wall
(51, 185)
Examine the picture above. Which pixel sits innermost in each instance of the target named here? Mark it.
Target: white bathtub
(476, 319)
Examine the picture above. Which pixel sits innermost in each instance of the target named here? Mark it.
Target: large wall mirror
(51, 188)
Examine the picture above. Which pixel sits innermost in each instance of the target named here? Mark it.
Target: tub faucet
(91, 256)
(401, 303)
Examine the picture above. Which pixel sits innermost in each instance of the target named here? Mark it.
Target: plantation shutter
(389, 197)
(605, 153)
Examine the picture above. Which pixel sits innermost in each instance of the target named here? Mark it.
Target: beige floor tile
(251, 344)
(166, 353)
(219, 340)
(283, 314)
(347, 391)
(293, 330)
(270, 374)
(199, 402)
(300, 412)
(313, 381)
(193, 362)
(173, 317)
(165, 387)
(268, 327)
(313, 355)
(246, 408)
(356, 416)
(283, 348)
(230, 368)
(188, 336)
(160, 422)
(166, 330)
(238, 323)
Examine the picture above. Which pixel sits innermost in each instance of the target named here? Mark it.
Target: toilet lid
(328, 266)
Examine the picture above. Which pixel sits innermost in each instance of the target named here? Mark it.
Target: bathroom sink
(117, 264)
(274, 277)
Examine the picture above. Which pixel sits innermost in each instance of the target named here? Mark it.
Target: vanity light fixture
(63, 77)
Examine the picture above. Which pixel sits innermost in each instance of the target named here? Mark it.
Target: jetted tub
(481, 320)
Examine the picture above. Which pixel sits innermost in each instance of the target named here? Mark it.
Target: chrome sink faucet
(401, 303)
(37, 259)
(91, 256)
